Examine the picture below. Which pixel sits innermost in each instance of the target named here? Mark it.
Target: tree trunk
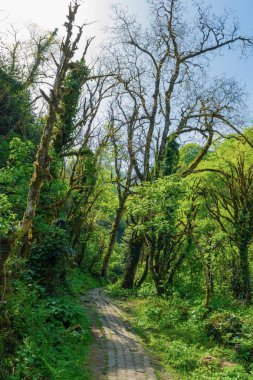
(174, 270)
(5, 246)
(207, 273)
(43, 159)
(105, 266)
(144, 274)
(27, 245)
(235, 279)
(135, 250)
(154, 268)
(245, 293)
(80, 256)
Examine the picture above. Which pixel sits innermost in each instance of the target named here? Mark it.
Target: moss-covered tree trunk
(113, 235)
(43, 159)
(245, 291)
(235, 278)
(5, 246)
(135, 250)
(143, 277)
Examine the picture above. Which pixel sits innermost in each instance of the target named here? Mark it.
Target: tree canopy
(134, 171)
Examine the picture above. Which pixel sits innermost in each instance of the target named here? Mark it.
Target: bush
(61, 311)
(147, 290)
(181, 356)
(48, 259)
(224, 327)
(7, 217)
(51, 337)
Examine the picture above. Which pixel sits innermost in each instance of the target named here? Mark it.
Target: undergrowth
(195, 347)
(49, 337)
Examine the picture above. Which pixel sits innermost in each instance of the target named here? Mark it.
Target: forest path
(126, 357)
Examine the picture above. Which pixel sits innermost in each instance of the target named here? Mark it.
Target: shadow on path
(126, 357)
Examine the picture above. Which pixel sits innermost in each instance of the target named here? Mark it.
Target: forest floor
(117, 352)
(187, 345)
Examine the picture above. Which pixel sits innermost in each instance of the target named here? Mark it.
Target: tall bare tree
(123, 180)
(68, 48)
(162, 71)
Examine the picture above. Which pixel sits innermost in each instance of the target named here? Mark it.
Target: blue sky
(230, 63)
(51, 13)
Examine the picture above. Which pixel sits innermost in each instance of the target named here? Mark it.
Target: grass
(51, 336)
(188, 345)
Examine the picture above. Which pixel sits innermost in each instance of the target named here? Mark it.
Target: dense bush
(224, 327)
(49, 257)
(50, 336)
(14, 105)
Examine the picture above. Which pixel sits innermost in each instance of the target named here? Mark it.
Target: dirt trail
(126, 359)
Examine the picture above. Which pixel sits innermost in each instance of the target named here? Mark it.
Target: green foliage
(20, 152)
(188, 153)
(118, 292)
(235, 372)
(14, 105)
(193, 233)
(69, 104)
(181, 337)
(180, 355)
(48, 257)
(159, 200)
(117, 262)
(80, 281)
(224, 327)
(147, 290)
(171, 156)
(53, 335)
(86, 174)
(14, 177)
(7, 217)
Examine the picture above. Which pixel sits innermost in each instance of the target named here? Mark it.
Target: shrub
(224, 327)
(48, 259)
(51, 337)
(181, 356)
